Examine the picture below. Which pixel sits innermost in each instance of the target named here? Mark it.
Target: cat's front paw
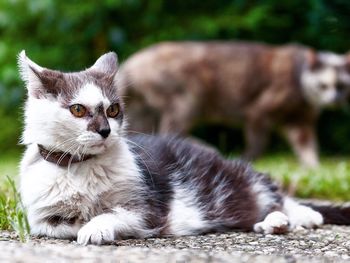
(100, 230)
(274, 223)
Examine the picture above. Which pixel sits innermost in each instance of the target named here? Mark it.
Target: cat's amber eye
(78, 110)
(113, 110)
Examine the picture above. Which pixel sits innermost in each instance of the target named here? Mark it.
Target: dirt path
(328, 244)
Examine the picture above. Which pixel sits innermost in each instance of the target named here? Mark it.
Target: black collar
(61, 158)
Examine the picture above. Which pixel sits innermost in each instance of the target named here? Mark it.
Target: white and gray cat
(83, 177)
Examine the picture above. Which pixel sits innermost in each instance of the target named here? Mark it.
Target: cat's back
(178, 160)
(171, 65)
(174, 61)
(168, 149)
(229, 76)
(170, 158)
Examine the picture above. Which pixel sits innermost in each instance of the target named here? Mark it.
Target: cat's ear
(28, 69)
(106, 64)
(40, 82)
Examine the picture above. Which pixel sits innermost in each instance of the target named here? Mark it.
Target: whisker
(141, 133)
(141, 147)
(52, 150)
(84, 150)
(71, 158)
(65, 153)
(59, 145)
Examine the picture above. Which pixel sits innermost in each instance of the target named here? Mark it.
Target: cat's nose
(104, 132)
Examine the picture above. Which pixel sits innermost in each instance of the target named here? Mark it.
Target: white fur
(319, 86)
(25, 65)
(106, 64)
(275, 222)
(185, 217)
(47, 123)
(99, 230)
(332, 59)
(311, 83)
(301, 216)
(91, 96)
(44, 184)
(264, 196)
(106, 227)
(293, 216)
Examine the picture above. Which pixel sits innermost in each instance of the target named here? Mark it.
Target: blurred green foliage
(329, 181)
(70, 35)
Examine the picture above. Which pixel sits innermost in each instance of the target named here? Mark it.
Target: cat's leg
(292, 216)
(256, 136)
(300, 215)
(107, 227)
(179, 115)
(304, 143)
(274, 223)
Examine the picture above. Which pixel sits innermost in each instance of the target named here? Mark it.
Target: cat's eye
(78, 110)
(113, 110)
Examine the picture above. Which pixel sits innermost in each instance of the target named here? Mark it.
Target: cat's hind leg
(292, 216)
(300, 215)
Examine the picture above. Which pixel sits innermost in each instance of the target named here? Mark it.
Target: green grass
(12, 214)
(330, 181)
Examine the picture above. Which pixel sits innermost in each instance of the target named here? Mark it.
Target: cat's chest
(79, 192)
(46, 185)
(88, 180)
(77, 195)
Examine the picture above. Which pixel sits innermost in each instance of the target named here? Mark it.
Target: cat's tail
(332, 214)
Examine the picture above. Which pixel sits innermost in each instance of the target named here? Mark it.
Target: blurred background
(70, 35)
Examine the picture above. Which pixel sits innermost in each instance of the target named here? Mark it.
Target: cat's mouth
(91, 142)
(96, 147)
(98, 144)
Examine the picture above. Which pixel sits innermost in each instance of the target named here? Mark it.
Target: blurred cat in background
(171, 87)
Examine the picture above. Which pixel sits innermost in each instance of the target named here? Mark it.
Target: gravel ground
(327, 244)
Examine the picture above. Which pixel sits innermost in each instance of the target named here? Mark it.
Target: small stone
(327, 244)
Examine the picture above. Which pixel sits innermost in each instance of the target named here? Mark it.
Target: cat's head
(79, 112)
(325, 79)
